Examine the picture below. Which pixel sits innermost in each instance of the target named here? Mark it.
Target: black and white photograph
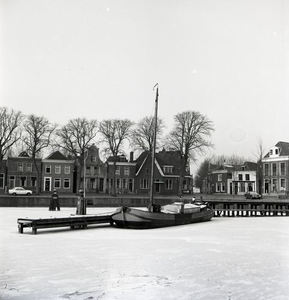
(144, 149)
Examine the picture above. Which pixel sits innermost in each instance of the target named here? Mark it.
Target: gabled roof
(24, 154)
(284, 149)
(57, 156)
(162, 158)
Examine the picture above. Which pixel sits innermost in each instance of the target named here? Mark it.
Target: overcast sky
(65, 59)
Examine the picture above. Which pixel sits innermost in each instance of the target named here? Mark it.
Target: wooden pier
(73, 221)
(249, 208)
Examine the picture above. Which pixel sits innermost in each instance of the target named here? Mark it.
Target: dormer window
(168, 169)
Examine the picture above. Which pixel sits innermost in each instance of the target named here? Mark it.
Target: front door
(47, 184)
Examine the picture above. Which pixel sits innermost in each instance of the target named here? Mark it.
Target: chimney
(131, 156)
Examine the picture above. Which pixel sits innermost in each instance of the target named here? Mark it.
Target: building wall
(3, 176)
(275, 175)
(21, 171)
(57, 175)
(123, 173)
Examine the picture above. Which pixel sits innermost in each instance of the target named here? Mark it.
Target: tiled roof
(164, 158)
(57, 155)
(284, 146)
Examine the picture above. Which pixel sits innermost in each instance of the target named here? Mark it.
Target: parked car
(252, 195)
(19, 191)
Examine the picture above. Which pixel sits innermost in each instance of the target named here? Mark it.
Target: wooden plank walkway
(73, 221)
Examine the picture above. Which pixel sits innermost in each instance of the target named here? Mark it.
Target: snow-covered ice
(224, 259)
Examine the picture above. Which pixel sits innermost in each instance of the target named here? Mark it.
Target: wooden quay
(249, 208)
(72, 221)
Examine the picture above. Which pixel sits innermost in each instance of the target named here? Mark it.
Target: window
(169, 184)
(57, 169)
(217, 187)
(223, 186)
(274, 169)
(29, 167)
(117, 170)
(220, 177)
(48, 169)
(66, 183)
(33, 181)
(87, 171)
(11, 181)
(240, 177)
(242, 187)
(247, 177)
(111, 183)
(23, 181)
(126, 171)
(118, 183)
(282, 169)
(144, 183)
(282, 184)
(168, 169)
(20, 167)
(271, 152)
(276, 151)
(266, 169)
(93, 158)
(57, 183)
(1, 181)
(125, 183)
(274, 181)
(67, 170)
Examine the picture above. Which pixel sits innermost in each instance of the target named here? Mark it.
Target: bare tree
(37, 136)
(202, 173)
(143, 134)
(190, 136)
(114, 133)
(75, 138)
(259, 156)
(10, 131)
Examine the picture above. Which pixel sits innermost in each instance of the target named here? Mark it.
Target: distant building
(166, 174)
(57, 173)
(21, 171)
(231, 179)
(3, 174)
(121, 175)
(276, 169)
(95, 172)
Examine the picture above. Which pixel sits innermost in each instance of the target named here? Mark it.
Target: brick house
(57, 173)
(231, 179)
(121, 172)
(95, 172)
(21, 171)
(3, 174)
(276, 169)
(166, 174)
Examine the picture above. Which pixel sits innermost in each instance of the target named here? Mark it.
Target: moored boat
(168, 215)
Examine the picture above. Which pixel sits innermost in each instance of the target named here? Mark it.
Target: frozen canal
(224, 259)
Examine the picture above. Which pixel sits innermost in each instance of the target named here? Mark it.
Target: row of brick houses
(116, 175)
(239, 179)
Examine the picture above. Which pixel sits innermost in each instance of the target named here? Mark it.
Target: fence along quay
(250, 208)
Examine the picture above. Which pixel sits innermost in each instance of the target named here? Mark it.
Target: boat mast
(154, 149)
